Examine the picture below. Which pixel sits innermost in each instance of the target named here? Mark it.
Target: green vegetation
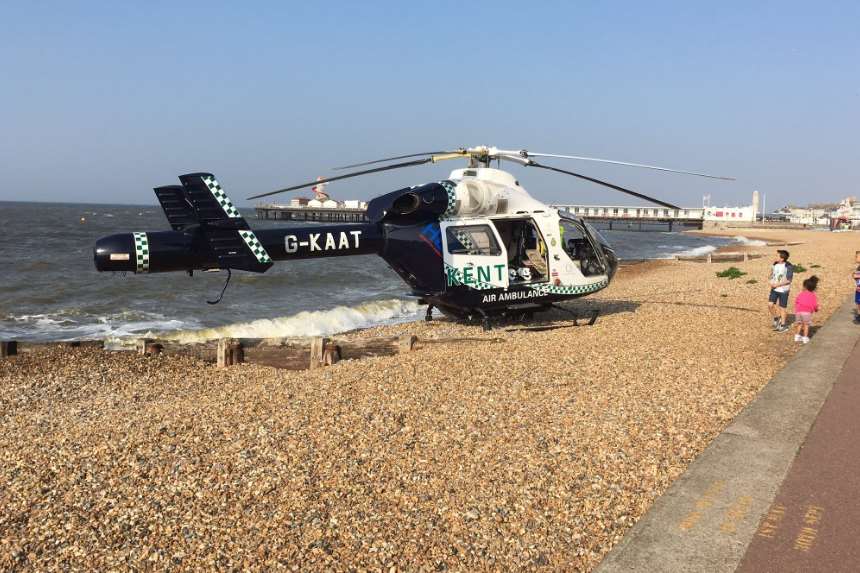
(752, 282)
(731, 273)
(799, 269)
(814, 266)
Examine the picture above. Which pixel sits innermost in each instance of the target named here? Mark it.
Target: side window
(472, 240)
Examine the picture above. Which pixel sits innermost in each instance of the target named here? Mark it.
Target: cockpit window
(580, 247)
(472, 240)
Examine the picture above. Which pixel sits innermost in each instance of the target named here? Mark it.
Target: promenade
(776, 490)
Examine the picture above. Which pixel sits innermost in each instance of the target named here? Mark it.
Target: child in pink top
(804, 305)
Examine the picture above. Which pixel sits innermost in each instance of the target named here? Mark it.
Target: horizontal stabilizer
(239, 250)
(178, 209)
(234, 243)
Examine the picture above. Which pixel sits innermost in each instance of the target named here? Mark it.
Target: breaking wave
(309, 323)
(74, 324)
(698, 251)
(750, 242)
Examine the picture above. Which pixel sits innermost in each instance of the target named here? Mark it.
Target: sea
(50, 290)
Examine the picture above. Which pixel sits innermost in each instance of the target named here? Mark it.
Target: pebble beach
(527, 450)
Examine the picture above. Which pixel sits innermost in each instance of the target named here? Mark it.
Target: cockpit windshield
(596, 234)
(581, 246)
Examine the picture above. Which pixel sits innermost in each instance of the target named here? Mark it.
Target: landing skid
(592, 316)
(490, 320)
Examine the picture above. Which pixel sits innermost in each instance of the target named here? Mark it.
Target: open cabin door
(473, 255)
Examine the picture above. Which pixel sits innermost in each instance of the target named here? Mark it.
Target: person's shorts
(857, 297)
(803, 317)
(775, 296)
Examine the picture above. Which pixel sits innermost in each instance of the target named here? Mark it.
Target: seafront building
(847, 215)
(706, 215)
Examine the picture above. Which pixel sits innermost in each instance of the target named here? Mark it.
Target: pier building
(326, 211)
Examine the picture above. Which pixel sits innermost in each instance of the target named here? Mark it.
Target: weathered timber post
(8, 348)
(709, 257)
(331, 354)
(317, 353)
(229, 352)
(406, 343)
(745, 256)
(147, 346)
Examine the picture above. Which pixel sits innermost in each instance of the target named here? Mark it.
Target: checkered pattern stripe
(467, 243)
(451, 189)
(221, 197)
(141, 252)
(256, 247)
(455, 274)
(572, 289)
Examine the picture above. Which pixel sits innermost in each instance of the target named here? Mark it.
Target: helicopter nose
(115, 253)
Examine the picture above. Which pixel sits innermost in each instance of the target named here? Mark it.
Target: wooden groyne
(285, 353)
(719, 257)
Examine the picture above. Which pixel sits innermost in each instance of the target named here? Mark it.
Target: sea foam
(749, 242)
(698, 251)
(308, 323)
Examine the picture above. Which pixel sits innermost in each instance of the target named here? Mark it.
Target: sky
(101, 101)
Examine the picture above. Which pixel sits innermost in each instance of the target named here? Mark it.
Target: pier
(621, 218)
(273, 212)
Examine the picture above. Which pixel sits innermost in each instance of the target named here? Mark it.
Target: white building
(622, 212)
(745, 214)
(848, 211)
(731, 214)
(805, 216)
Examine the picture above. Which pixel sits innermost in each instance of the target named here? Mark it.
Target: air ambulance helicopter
(475, 245)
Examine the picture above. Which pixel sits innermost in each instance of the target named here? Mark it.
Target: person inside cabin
(535, 252)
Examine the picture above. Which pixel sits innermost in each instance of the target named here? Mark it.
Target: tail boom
(171, 251)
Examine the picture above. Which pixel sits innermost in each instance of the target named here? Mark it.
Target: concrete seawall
(709, 516)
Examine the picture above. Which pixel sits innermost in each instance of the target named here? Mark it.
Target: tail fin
(210, 201)
(200, 200)
(178, 209)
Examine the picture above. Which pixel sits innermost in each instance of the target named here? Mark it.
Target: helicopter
(474, 245)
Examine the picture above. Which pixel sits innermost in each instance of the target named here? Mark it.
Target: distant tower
(755, 204)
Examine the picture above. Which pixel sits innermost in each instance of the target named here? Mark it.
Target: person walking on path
(805, 304)
(857, 288)
(781, 274)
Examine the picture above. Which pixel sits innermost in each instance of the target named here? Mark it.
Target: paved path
(743, 490)
(814, 522)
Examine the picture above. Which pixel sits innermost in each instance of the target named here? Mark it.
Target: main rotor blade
(605, 184)
(525, 153)
(346, 176)
(394, 159)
